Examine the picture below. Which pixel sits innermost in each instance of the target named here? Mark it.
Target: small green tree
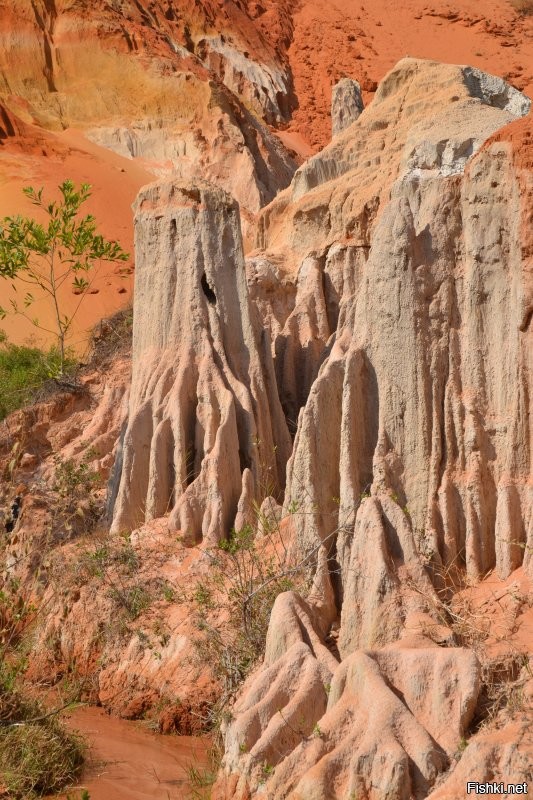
(45, 256)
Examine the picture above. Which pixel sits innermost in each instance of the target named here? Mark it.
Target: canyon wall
(185, 88)
(412, 455)
(367, 367)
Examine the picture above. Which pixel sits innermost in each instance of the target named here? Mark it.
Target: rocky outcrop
(346, 105)
(9, 125)
(225, 144)
(333, 40)
(205, 431)
(412, 455)
(427, 120)
(382, 723)
(504, 754)
(429, 287)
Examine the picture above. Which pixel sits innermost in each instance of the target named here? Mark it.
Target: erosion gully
(127, 761)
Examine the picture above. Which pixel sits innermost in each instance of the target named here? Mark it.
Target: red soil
(128, 762)
(363, 39)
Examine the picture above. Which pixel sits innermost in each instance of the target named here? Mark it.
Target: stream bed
(127, 761)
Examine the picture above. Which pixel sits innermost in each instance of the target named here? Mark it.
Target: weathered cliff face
(172, 84)
(206, 431)
(412, 456)
(444, 289)
(383, 723)
(47, 51)
(346, 105)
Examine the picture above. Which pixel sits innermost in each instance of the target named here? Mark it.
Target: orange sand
(363, 39)
(46, 159)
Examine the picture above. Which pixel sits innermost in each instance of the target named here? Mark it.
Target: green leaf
(80, 283)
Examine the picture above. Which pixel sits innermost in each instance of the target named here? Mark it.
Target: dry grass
(477, 623)
(111, 338)
(37, 755)
(524, 7)
(37, 759)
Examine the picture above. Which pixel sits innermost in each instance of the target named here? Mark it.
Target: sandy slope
(41, 158)
(365, 38)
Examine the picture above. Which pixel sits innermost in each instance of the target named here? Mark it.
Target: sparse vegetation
(202, 778)
(524, 7)
(502, 678)
(44, 257)
(23, 371)
(38, 758)
(74, 502)
(37, 755)
(266, 771)
(133, 599)
(111, 337)
(246, 575)
(28, 374)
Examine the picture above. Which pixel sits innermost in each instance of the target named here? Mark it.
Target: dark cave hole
(209, 293)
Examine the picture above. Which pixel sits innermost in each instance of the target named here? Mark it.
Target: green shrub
(23, 371)
(37, 759)
(66, 248)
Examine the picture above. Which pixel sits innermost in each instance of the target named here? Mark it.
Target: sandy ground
(128, 762)
(365, 38)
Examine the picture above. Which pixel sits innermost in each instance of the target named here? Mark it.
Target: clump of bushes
(23, 371)
(37, 755)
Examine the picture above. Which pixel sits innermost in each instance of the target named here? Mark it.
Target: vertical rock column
(346, 105)
(206, 433)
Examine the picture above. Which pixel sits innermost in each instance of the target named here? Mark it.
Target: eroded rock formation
(412, 455)
(381, 724)
(435, 282)
(346, 105)
(186, 88)
(206, 430)
(385, 322)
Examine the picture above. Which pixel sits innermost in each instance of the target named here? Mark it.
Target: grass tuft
(23, 372)
(38, 759)
(37, 755)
